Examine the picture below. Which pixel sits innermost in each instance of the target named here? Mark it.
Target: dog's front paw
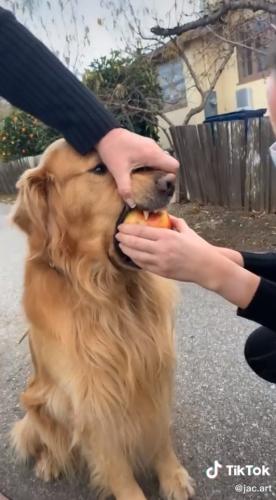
(46, 467)
(178, 486)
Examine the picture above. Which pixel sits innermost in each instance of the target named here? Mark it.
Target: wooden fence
(11, 171)
(227, 164)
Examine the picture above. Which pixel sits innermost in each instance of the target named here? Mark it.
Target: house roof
(168, 51)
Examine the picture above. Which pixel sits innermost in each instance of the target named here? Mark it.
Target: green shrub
(23, 135)
(128, 86)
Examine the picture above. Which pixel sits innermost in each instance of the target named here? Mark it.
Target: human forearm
(261, 263)
(33, 79)
(233, 282)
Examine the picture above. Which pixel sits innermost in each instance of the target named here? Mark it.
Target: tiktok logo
(212, 472)
(238, 470)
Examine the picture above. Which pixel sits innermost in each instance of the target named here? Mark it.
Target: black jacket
(262, 308)
(33, 79)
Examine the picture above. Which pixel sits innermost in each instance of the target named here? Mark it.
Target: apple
(153, 219)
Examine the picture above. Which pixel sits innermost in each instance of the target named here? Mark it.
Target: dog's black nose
(166, 184)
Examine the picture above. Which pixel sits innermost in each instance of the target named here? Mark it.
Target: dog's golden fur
(101, 334)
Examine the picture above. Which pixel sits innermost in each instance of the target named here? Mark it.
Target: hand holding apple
(183, 255)
(179, 253)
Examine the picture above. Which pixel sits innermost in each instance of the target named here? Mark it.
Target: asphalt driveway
(222, 410)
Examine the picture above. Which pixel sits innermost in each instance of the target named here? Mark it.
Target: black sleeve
(34, 80)
(262, 264)
(262, 308)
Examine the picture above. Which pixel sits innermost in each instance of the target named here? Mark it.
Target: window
(258, 35)
(172, 82)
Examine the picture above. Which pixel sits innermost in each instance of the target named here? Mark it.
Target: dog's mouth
(146, 214)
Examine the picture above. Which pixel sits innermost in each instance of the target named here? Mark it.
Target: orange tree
(23, 135)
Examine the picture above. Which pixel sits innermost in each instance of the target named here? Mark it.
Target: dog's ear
(30, 211)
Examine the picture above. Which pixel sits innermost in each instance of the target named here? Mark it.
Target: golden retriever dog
(101, 332)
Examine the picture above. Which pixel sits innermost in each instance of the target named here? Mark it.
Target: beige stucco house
(241, 83)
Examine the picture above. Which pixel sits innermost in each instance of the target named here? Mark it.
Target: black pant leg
(260, 353)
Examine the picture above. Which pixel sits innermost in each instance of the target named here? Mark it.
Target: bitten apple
(153, 219)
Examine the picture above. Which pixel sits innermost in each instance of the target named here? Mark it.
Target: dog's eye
(99, 169)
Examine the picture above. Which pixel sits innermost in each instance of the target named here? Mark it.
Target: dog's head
(69, 207)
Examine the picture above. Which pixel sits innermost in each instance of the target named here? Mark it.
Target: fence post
(222, 165)
(11, 171)
(181, 187)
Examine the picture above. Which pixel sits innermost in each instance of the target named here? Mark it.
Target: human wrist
(235, 283)
(113, 134)
(233, 255)
(210, 271)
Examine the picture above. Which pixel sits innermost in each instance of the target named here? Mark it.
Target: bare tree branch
(183, 55)
(236, 43)
(128, 107)
(165, 118)
(216, 15)
(146, 111)
(212, 85)
(167, 134)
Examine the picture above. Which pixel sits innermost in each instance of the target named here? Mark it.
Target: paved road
(222, 410)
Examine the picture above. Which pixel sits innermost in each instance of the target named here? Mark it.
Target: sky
(48, 24)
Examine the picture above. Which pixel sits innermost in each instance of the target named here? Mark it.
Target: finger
(147, 232)
(168, 163)
(178, 224)
(141, 244)
(140, 258)
(162, 160)
(123, 182)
